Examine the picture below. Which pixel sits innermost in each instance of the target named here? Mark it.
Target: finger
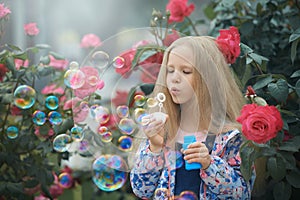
(196, 144)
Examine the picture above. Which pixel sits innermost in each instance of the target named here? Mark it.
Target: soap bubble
(118, 62)
(125, 143)
(100, 114)
(61, 142)
(109, 172)
(106, 137)
(127, 126)
(100, 59)
(24, 97)
(12, 132)
(74, 78)
(161, 193)
(151, 102)
(74, 65)
(39, 117)
(76, 133)
(51, 102)
(139, 113)
(139, 100)
(54, 118)
(65, 180)
(122, 111)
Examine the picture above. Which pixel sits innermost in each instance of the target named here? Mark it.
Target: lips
(174, 91)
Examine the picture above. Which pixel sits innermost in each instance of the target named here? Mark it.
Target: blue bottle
(188, 139)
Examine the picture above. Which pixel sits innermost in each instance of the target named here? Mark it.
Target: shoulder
(231, 139)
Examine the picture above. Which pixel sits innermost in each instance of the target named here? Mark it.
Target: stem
(193, 26)
(258, 68)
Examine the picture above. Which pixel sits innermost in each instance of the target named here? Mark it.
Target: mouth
(174, 91)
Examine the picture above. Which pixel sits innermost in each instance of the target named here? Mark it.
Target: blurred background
(63, 23)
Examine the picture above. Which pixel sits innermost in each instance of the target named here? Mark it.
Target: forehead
(182, 54)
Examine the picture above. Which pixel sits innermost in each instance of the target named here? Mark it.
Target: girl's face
(180, 75)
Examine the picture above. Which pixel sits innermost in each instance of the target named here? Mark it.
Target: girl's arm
(146, 172)
(223, 176)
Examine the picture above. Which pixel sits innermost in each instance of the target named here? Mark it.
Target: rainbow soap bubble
(12, 132)
(122, 111)
(54, 118)
(39, 117)
(161, 193)
(125, 143)
(61, 142)
(186, 195)
(152, 102)
(65, 180)
(109, 172)
(99, 113)
(77, 133)
(127, 126)
(52, 102)
(118, 62)
(139, 113)
(107, 137)
(139, 100)
(24, 97)
(74, 78)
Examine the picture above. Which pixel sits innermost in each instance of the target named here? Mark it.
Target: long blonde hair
(219, 97)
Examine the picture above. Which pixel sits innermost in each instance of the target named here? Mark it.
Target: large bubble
(24, 97)
(109, 172)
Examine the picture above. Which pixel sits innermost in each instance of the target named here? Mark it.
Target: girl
(202, 99)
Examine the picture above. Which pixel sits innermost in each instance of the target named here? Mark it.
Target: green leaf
(43, 46)
(14, 188)
(209, 12)
(247, 154)
(147, 54)
(130, 96)
(276, 167)
(10, 63)
(279, 90)
(295, 35)
(258, 58)
(246, 49)
(45, 60)
(292, 144)
(263, 82)
(295, 74)
(56, 55)
(294, 50)
(147, 88)
(297, 88)
(294, 178)
(282, 191)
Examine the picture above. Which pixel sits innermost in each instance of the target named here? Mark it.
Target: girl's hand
(154, 130)
(197, 152)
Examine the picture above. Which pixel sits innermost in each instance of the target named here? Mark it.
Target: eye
(187, 71)
(170, 69)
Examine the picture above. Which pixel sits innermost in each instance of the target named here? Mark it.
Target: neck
(189, 117)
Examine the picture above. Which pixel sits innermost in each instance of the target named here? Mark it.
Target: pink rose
(179, 10)
(4, 11)
(90, 40)
(21, 63)
(128, 57)
(260, 123)
(88, 88)
(31, 29)
(229, 43)
(60, 64)
(52, 89)
(250, 91)
(79, 114)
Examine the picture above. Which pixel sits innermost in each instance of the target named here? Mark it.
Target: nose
(176, 77)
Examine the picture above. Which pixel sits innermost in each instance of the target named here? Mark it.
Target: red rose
(250, 91)
(3, 71)
(128, 57)
(179, 10)
(170, 38)
(260, 123)
(229, 43)
(151, 68)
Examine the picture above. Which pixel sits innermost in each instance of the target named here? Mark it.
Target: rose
(4, 11)
(260, 123)
(128, 57)
(179, 10)
(151, 68)
(90, 40)
(21, 63)
(3, 71)
(170, 38)
(31, 29)
(60, 64)
(229, 43)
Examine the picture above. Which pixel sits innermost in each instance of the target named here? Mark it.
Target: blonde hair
(219, 97)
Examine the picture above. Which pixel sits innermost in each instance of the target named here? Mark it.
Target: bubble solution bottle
(188, 139)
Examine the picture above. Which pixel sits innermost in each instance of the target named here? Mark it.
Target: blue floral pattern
(221, 180)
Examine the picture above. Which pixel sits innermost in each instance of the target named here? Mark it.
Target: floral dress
(153, 175)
